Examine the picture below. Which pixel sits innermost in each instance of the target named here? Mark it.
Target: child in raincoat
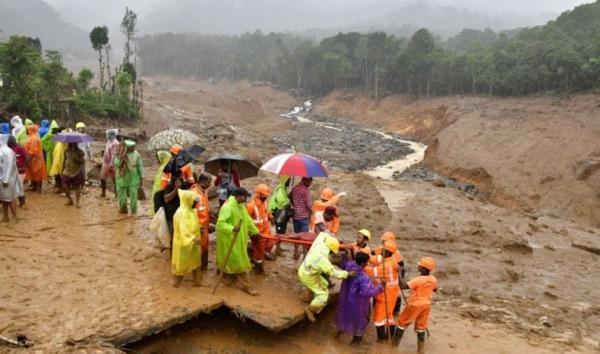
(234, 219)
(129, 177)
(186, 239)
(311, 273)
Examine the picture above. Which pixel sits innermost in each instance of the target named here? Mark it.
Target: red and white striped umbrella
(295, 164)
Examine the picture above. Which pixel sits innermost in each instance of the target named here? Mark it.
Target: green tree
(84, 78)
(56, 80)
(20, 61)
(128, 29)
(99, 39)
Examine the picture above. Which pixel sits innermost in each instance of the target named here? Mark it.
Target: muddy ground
(88, 279)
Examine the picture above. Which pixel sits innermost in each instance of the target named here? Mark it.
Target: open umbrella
(72, 138)
(295, 164)
(245, 167)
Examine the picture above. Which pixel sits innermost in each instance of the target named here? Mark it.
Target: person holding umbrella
(234, 226)
(129, 176)
(72, 175)
(227, 179)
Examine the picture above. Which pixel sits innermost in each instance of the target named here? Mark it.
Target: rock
(452, 345)
(545, 322)
(551, 295)
(586, 168)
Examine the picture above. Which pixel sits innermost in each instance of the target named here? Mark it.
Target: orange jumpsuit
(377, 258)
(392, 289)
(356, 249)
(188, 174)
(259, 212)
(318, 208)
(36, 168)
(203, 212)
(419, 302)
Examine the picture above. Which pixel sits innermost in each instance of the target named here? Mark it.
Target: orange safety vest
(188, 174)
(202, 207)
(259, 212)
(317, 210)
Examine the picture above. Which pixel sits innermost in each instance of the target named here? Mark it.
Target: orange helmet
(427, 262)
(263, 189)
(388, 236)
(175, 149)
(390, 246)
(327, 194)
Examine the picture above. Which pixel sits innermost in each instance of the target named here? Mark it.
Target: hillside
(35, 18)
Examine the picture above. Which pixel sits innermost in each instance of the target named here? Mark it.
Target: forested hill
(561, 56)
(35, 18)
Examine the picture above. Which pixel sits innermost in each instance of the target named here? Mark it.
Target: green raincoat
(280, 199)
(163, 159)
(186, 253)
(48, 145)
(232, 214)
(128, 179)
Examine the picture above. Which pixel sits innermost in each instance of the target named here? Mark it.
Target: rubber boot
(398, 333)
(392, 331)
(197, 273)
(259, 269)
(421, 342)
(381, 333)
(177, 281)
(204, 260)
(307, 296)
(244, 280)
(356, 340)
(310, 313)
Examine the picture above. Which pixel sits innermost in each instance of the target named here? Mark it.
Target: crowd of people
(250, 228)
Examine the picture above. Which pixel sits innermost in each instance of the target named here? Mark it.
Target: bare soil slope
(536, 153)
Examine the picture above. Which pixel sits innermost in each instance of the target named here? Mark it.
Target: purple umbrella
(72, 138)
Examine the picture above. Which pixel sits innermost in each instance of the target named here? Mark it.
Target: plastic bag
(159, 225)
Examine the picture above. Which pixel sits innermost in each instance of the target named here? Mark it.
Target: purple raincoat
(354, 303)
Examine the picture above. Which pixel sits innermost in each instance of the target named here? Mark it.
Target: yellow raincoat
(186, 253)
(315, 264)
(58, 159)
(163, 159)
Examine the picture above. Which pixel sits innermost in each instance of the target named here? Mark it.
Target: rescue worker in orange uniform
(187, 170)
(384, 303)
(376, 259)
(260, 215)
(362, 243)
(327, 199)
(203, 212)
(419, 303)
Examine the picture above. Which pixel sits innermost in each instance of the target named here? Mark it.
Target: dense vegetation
(36, 84)
(561, 56)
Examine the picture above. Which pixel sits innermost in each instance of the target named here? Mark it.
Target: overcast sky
(87, 13)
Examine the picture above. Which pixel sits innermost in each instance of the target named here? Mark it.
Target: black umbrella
(184, 157)
(245, 167)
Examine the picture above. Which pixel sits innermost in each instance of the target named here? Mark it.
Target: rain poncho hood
(111, 133)
(232, 214)
(44, 127)
(18, 129)
(185, 253)
(163, 159)
(4, 128)
(280, 199)
(352, 315)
